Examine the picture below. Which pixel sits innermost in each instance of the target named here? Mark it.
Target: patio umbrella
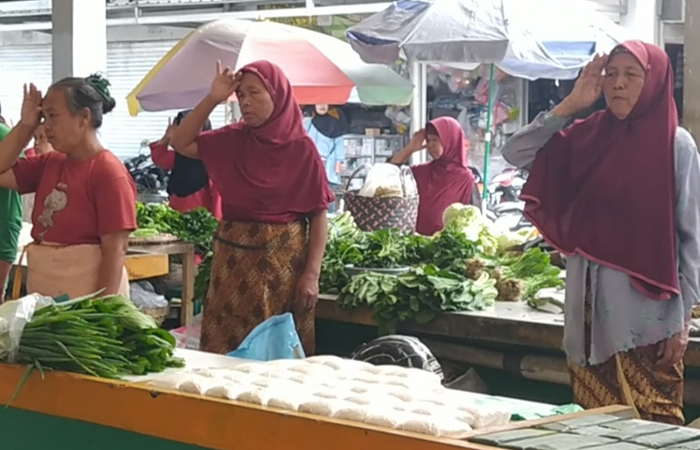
(321, 68)
(529, 39)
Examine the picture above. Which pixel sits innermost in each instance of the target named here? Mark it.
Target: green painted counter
(65, 434)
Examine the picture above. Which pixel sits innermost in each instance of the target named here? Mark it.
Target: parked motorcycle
(506, 186)
(149, 178)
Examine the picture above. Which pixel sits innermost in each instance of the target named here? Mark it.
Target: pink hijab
(272, 173)
(444, 181)
(605, 188)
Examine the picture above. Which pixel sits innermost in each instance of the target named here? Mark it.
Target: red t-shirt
(77, 202)
(207, 197)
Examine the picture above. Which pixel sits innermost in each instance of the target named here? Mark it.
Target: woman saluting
(85, 199)
(275, 196)
(619, 193)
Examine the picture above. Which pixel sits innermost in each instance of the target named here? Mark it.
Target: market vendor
(10, 226)
(206, 196)
(85, 198)
(327, 126)
(269, 247)
(619, 193)
(445, 180)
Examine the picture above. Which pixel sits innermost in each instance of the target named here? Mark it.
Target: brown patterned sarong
(254, 276)
(657, 392)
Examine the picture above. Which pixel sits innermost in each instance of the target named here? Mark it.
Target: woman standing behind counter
(275, 195)
(208, 196)
(85, 198)
(445, 180)
(619, 193)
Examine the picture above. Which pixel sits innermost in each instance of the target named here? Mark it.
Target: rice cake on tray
(669, 438)
(328, 386)
(558, 441)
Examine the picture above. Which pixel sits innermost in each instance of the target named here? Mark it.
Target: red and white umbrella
(321, 68)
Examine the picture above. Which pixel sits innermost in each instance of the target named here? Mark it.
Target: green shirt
(10, 217)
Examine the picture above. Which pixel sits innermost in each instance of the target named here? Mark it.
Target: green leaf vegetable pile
(466, 267)
(196, 226)
(106, 337)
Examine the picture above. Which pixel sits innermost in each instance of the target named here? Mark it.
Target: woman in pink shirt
(207, 197)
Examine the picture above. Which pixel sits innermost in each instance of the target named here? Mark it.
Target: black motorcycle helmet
(398, 350)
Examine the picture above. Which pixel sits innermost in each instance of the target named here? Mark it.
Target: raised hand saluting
(226, 83)
(31, 106)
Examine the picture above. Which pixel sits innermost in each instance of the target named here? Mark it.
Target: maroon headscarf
(605, 188)
(271, 173)
(445, 181)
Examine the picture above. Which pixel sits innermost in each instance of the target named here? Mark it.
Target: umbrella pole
(489, 133)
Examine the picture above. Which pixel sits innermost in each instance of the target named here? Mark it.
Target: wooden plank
(143, 266)
(513, 324)
(211, 423)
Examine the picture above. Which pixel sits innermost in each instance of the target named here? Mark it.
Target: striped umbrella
(321, 68)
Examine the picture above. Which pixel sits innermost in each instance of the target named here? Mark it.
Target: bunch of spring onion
(106, 337)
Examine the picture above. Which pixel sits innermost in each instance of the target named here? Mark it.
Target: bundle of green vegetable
(420, 295)
(196, 226)
(518, 276)
(106, 337)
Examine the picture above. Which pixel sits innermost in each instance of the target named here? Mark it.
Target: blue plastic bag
(275, 338)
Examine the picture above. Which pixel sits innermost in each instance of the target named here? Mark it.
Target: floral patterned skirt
(632, 376)
(254, 276)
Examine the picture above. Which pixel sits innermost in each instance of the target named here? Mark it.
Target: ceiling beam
(174, 19)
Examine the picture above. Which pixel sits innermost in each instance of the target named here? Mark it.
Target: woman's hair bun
(101, 85)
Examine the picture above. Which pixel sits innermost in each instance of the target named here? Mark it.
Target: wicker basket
(382, 213)
(158, 314)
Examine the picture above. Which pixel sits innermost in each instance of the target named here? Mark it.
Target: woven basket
(382, 213)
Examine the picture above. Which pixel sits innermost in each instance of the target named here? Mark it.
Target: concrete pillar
(642, 20)
(691, 77)
(79, 38)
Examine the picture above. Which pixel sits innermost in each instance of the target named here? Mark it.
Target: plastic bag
(144, 296)
(14, 315)
(275, 338)
(188, 337)
(390, 177)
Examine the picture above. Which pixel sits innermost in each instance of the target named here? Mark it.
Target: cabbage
(492, 238)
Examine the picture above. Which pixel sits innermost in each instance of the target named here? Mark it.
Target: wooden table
(133, 415)
(185, 249)
(511, 337)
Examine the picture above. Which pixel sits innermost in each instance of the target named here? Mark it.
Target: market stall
(84, 412)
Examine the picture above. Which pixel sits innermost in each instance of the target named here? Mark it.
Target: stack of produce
(385, 396)
(196, 226)
(106, 337)
(465, 267)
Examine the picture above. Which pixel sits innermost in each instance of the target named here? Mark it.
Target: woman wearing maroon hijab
(445, 180)
(619, 194)
(275, 194)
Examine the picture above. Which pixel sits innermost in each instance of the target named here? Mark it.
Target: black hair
(181, 115)
(91, 93)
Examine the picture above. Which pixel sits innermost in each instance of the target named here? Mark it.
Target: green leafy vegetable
(419, 294)
(106, 337)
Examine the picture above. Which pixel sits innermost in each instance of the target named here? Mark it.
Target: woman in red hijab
(444, 181)
(619, 194)
(275, 195)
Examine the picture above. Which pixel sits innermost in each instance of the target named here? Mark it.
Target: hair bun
(101, 85)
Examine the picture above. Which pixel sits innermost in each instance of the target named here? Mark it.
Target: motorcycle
(149, 178)
(506, 186)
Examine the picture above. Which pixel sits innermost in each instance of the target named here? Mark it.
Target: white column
(691, 78)
(79, 30)
(642, 20)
